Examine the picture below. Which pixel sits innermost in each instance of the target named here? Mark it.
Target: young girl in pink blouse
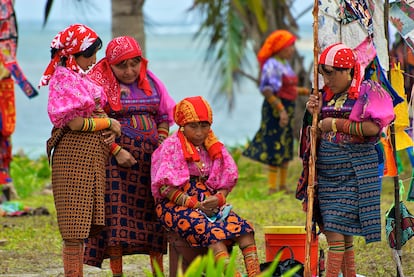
(80, 141)
(192, 173)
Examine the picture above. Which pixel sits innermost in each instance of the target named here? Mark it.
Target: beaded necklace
(201, 166)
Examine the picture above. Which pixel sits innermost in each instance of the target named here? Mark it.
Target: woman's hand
(110, 136)
(284, 118)
(314, 103)
(325, 125)
(115, 127)
(210, 205)
(125, 159)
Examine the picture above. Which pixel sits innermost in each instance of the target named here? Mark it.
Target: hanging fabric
(401, 122)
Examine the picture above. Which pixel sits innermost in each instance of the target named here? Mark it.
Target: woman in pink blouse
(81, 135)
(192, 173)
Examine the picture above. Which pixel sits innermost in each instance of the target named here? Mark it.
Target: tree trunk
(128, 19)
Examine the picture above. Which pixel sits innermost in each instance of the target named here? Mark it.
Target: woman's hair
(323, 67)
(137, 59)
(87, 53)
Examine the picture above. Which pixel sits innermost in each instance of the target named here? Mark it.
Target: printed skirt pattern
(349, 189)
(194, 227)
(130, 218)
(272, 144)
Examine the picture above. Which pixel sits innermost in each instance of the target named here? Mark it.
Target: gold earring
(182, 128)
(349, 77)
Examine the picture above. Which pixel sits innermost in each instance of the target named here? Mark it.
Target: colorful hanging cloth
(376, 72)
(401, 121)
(402, 17)
(352, 10)
(8, 46)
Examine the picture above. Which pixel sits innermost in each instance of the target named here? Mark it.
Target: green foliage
(29, 175)
(206, 266)
(34, 243)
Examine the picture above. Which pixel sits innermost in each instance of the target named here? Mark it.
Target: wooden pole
(397, 226)
(312, 158)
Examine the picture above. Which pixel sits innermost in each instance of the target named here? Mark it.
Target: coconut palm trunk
(128, 19)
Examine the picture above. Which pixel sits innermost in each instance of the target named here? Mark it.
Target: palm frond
(48, 7)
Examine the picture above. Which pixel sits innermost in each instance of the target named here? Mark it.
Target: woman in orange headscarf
(192, 174)
(273, 142)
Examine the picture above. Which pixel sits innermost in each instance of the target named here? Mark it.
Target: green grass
(34, 243)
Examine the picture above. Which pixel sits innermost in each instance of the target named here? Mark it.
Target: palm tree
(127, 17)
(235, 30)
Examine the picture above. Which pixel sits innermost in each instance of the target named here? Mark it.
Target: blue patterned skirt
(349, 189)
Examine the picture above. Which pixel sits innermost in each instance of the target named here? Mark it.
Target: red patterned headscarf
(275, 42)
(340, 55)
(118, 50)
(72, 40)
(196, 109)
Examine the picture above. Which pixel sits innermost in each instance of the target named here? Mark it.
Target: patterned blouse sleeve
(374, 103)
(70, 96)
(166, 102)
(224, 172)
(271, 75)
(168, 166)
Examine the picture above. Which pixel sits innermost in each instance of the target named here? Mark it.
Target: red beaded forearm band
(162, 134)
(176, 196)
(115, 149)
(349, 127)
(355, 128)
(191, 202)
(221, 199)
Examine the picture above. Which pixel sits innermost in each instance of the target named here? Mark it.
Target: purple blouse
(272, 73)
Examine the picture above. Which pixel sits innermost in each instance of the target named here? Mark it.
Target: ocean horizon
(174, 56)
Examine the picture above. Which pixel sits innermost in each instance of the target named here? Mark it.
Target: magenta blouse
(373, 103)
(72, 95)
(170, 168)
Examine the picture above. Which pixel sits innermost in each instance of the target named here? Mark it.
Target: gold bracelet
(334, 129)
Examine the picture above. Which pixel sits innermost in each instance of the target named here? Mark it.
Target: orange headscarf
(119, 49)
(275, 42)
(196, 109)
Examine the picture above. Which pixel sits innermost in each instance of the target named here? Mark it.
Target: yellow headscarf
(196, 109)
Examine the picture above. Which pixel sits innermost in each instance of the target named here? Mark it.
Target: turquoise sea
(173, 56)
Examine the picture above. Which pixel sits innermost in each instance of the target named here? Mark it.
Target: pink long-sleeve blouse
(170, 168)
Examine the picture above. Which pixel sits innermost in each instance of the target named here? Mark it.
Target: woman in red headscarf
(192, 173)
(352, 113)
(79, 141)
(140, 101)
(273, 142)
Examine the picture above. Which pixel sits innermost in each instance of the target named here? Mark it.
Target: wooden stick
(312, 158)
